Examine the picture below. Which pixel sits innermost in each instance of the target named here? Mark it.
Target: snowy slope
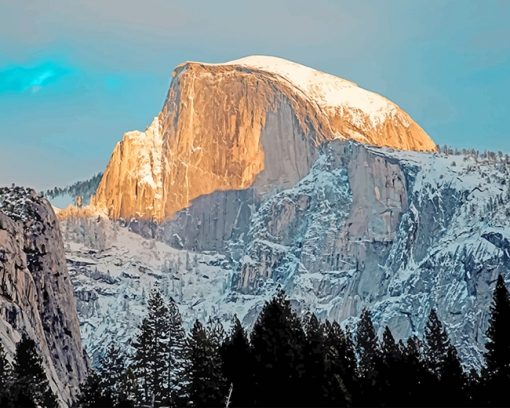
(113, 270)
(398, 232)
(327, 90)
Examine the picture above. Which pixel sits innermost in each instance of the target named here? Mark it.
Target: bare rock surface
(36, 295)
(255, 122)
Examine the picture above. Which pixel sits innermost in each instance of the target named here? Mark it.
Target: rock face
(36, 295)
(255, 122)
(398, 232)
(261, 172)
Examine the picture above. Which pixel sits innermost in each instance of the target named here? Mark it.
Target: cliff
(398, 232)
(36, 295)
(255, 122)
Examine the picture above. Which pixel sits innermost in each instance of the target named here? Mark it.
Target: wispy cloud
(15, 78)
(74, 75)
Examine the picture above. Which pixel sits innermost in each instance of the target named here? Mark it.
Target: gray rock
(36, 295)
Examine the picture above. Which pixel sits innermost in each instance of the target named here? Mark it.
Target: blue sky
(75, 75)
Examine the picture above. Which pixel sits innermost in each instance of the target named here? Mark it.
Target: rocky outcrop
(36, 295)
(255, 122)
(345, 212)
(398, 232)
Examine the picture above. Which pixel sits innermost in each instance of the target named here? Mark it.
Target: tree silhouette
(443, 363)
(29, 375)
(496, 372)
(314, 363)
(237, 359)
(369, 360)
(112, 371)
(341, 366)
(93, 393)
(437, 344)
(207, 387)
(278, 341)
(391, 369)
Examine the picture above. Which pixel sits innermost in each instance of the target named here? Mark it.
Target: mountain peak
(330, 92)
(253, 122)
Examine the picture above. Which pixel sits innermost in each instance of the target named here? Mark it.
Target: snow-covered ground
(451, 240)
(114, 270)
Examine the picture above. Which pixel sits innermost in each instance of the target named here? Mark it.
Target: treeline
(487, 155)
(23, 384)
(83, 189)
(288, 361)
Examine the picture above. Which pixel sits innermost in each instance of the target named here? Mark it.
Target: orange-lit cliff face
(255, 122)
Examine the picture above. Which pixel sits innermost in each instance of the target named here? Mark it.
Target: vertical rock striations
(36, 295)
(254, 122)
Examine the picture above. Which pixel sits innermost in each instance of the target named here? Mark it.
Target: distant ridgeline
(84, 189)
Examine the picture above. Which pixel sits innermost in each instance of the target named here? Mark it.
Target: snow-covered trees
(176, 368)
(83, 189)
(158, 362)
(293, 361)
(437, 344)
(114, 375)
(5, 377)
(24, 382)
(207, 386)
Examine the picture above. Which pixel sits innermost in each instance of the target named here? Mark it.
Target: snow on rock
(258, 121)
(398, 232)
(327, 90)
(36, 296)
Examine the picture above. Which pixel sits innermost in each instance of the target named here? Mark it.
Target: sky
(75, 75)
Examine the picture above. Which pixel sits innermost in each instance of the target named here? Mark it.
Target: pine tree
(237, 361)
(367, 346)
(29, 375)
(496, 372)
(112, 372)
(5, 378)
(93, 393)
(453, 380)
(415, 376)
(176, 370)
(151, 359)
(443, 363)
(390, 378)
(159, 320)
(390, 350)
(141, 365)
(314, 362)
(369, 360)
(128, 395)
(278, 340)
(341, 386)
(206, 385)
(437, 344)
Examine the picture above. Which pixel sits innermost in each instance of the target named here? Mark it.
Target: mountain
(36, 295)
(398, 232)
(254, 122)
(261, 172)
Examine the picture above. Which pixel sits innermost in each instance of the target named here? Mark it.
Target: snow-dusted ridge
(398, 232)
(328, 91)
(248, 122)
